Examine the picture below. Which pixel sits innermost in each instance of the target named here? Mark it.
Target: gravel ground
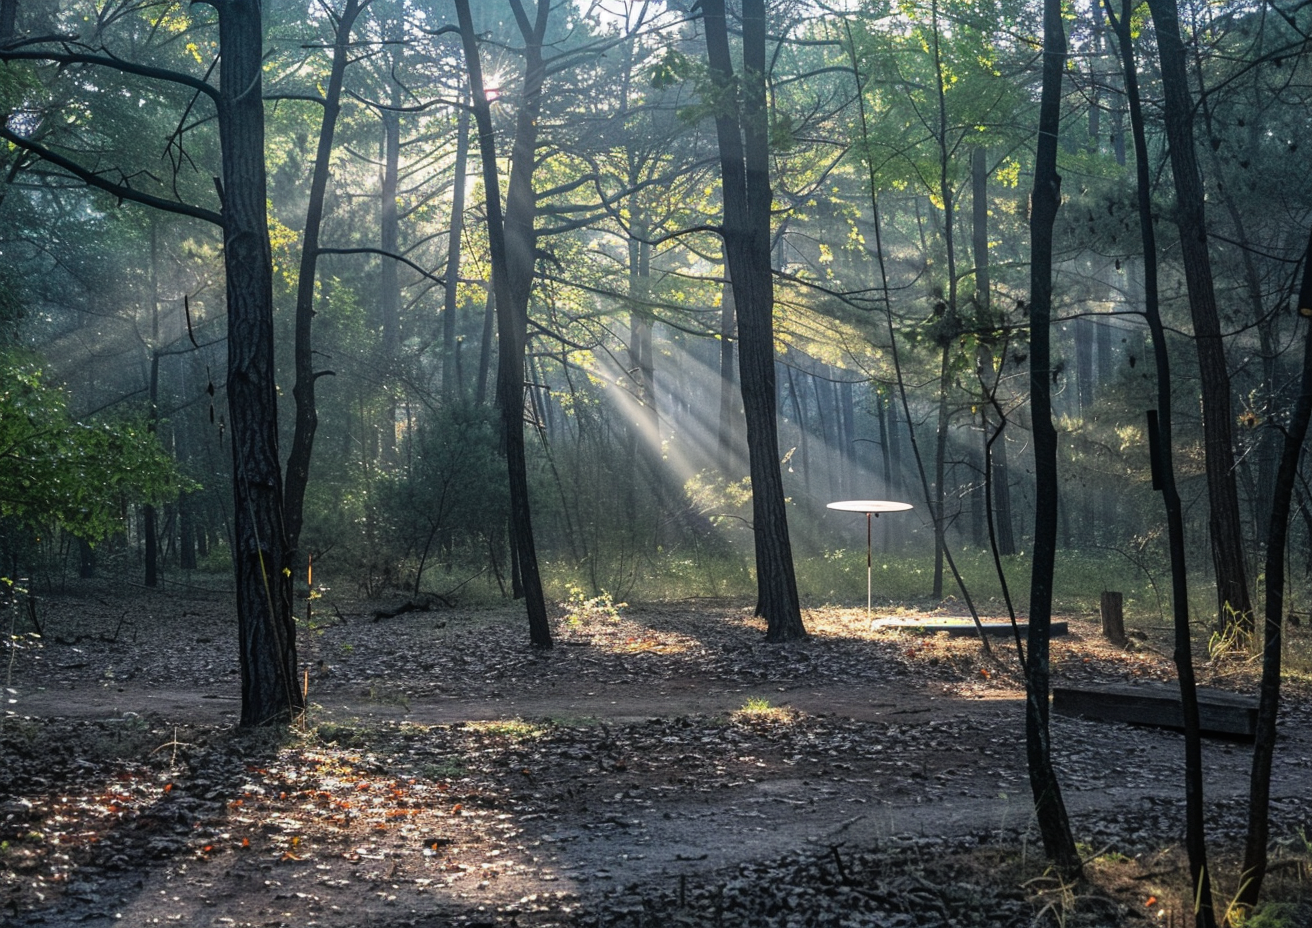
(662, 765)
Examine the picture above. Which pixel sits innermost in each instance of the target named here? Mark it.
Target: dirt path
(446, 779)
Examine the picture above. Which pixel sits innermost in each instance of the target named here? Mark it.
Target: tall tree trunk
(303, 389)
(485, 346)
(996, 479)
(389, 281)
(1084, 348)
(1160, 442)
(1259, 790)
(186, 532)
(513, 244)
(729, 456)
(148, 521)
(1096, 80)
(1222, 490)
(883, 406)
(645, 429)
(745, 175)
(979, 214)
(1049, 806)
(269, 688)
(149, 528)
(1265, 457)
(1002, 512)
(451, 386)
(949, 312)
(847, 441)
(802, 441)
(389, 226)
(86, 561)
(940, 468)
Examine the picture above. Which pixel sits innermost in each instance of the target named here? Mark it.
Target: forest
(556, 325)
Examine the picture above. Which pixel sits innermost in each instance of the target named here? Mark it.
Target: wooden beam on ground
(1158, 704)
(958, 627)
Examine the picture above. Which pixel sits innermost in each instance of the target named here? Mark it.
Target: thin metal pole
(868, 566)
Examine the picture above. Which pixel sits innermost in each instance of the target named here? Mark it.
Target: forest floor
(663, 765)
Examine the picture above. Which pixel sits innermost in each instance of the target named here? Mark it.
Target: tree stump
(1113, 618)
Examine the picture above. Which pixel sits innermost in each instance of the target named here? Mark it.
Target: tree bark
(451, 386)
(1233, 603)
(149, 527)
(949, 312)
(1049, 807)
(389, 284)
(485, 346)
(997, 491)
(269, 688)
(1259, 791)
(729, 456)
(303, 389)
(86, 561)
(742, 132)
(804, 446)
(389, 280)
(512, 243)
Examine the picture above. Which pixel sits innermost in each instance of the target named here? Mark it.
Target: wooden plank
(1158, 704)
(957, 627)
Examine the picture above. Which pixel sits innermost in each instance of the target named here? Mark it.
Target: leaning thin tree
(512, 244)
(1163, 470)
(1295, 434)
(1233, 602)
(742, 129)
(1049, 807)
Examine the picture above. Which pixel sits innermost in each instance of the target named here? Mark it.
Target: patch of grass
(575, 721)
(906, 575)
(758, 707)
(512, 729)
(678, 575)
(443, 770)
(342, 735)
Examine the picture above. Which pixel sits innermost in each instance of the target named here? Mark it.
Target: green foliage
(70, 473)
(11, 308)
(390, 528)
(582, 609)
(672, 69)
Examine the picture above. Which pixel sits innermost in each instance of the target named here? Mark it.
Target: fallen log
(1158, 704)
